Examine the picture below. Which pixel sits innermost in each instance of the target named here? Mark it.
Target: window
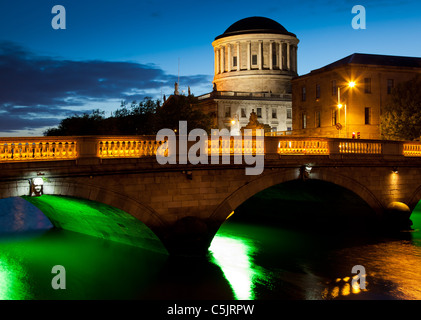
(227, 112)
(367, 85)
(289, 113)
(367, 115)
(334, 88)
(243, 113)
(317, 118)
(303, 93)
(390, 85)
(274, 115)
(317, 91)
(254, 59)
(289, 128)
(259, 112)
(334, 117)
(304, 121)
(234, 61)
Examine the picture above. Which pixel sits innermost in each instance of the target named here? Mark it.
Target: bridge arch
(140, 211)
(86, 191)
(284, 175)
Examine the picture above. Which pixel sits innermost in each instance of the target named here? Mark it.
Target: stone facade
(315, 95)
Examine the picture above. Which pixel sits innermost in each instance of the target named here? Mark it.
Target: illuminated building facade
(324, 103)
(255, 60)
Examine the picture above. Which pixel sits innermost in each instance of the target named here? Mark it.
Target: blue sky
(128, 49)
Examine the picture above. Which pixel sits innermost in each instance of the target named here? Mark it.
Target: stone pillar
(222, 58)
(87, 151)
(248, 55)
(270, 55)
(238, 57)
(288, 56)
(259, 55)
(190, 236)
(229, 57)
(281, 58)
(216, 61)
(295, 58)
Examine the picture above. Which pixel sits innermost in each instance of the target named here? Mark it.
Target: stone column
(229, 57)
(270, 55)
(288, 56)
(222, 59)
(216, 61)
(248, 55)
(295, 58)
(238, 57)
(259, 55)
(281, 58)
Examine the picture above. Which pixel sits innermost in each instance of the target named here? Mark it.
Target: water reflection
(234, 256)
(320, 267)
(247, 261)
(12, 275)
(19, 216)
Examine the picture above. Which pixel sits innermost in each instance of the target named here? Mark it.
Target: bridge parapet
(24, 149)
(38, 148)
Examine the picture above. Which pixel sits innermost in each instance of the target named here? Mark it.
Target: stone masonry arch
(265, 181)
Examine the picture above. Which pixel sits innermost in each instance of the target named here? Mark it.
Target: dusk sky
(128, 49)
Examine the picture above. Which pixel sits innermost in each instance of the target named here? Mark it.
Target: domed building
(255, 61)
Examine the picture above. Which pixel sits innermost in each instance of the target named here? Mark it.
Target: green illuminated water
(271, 260)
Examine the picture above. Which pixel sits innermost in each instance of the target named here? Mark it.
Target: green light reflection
(12, 279)
(234, 256)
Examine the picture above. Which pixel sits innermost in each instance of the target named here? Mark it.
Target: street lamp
(234, 122)
(350, 84)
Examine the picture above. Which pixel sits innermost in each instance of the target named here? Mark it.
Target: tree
(85, 124)
(181, 108)
(144, 118)
(401, 118)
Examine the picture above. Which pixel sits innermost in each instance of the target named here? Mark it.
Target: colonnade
(282, 55)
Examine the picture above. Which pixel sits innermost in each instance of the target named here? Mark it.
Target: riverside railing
(23, 149)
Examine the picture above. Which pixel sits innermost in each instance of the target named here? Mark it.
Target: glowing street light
(351, 84)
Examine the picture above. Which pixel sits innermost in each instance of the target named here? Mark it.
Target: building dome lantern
(255, 54)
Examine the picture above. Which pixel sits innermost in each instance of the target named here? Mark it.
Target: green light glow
(12, 275)
(233, 256)
(96, 219)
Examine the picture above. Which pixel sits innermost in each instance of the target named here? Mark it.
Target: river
(247, 261)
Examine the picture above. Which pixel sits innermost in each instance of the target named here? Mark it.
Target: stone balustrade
(128, 147)
(68, 148)
(412, 149)
(39, 148)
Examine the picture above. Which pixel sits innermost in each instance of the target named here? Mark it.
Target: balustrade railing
(411, 150)
(18, 149)
(234, 146)
(300, 146)
(69, 148)
(127, 148)
(361, 147)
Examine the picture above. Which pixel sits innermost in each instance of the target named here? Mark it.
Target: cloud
(38, 91)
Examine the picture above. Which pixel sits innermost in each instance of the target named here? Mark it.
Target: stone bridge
(184, 204)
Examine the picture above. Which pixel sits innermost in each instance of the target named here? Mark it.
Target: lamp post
(350, 84)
